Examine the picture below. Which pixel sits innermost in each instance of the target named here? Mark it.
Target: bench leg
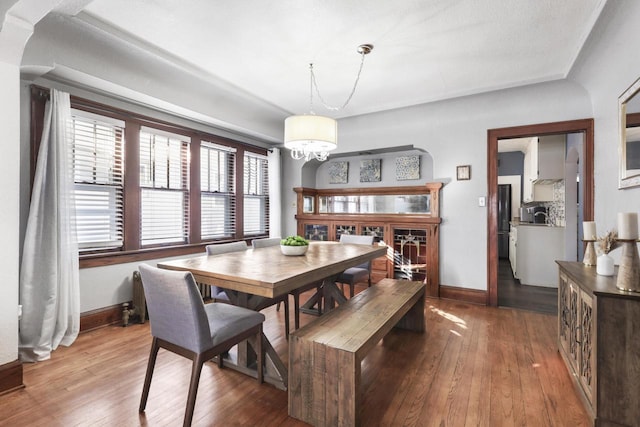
(414, 320)
(343, 395)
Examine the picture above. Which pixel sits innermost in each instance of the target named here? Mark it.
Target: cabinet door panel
(563, 313)
(574, 307)
(587, 356)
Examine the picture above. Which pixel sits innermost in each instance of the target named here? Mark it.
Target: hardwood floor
(511, 293)
(475, 366)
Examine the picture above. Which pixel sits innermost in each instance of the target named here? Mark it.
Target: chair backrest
(224, 248)
(175, 307)
(358, 240)
(263, 243)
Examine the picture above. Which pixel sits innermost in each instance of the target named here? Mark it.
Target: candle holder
(629, 271)
(589, 253)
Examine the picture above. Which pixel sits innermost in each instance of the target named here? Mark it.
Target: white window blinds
(98, 169)
(164, 183)
(217, 191)
(256, 194)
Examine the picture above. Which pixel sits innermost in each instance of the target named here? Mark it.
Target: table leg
(245, 360)
(329, 292)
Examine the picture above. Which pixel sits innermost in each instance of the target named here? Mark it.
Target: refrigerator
(504, 217)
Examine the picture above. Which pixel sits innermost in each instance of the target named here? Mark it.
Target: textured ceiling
(425, 50)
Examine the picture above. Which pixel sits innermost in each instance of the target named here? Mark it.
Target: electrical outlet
(482, 201)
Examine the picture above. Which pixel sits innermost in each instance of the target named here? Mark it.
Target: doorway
(584, 126)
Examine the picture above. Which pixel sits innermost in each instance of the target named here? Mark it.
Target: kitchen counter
(532, 224)
(537, 247)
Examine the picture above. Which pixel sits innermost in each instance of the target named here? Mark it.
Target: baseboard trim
(101, 317)
(11, 377)
(472, 296)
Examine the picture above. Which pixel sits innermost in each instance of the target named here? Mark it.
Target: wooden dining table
(252, 275)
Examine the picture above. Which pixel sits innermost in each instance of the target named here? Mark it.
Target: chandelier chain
(324, 103)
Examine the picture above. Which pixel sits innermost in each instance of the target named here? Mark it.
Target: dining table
(252, 275)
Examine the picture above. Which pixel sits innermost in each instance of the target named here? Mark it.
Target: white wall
(387, 170)
(9, 218)
(454, 132)
(611, 66)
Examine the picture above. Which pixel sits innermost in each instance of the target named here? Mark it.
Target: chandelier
(310, 136)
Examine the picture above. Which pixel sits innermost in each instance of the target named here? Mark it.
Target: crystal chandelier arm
(363, 52)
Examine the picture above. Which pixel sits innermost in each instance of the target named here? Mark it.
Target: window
(256, 194)
(147, 188)
(164, 184)
(97, 162)
(217, 191)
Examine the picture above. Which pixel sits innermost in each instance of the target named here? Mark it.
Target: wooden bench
(325, 355)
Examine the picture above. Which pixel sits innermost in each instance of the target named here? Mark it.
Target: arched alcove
(315, 174)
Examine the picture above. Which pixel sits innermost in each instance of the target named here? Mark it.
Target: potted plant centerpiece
(294, 245)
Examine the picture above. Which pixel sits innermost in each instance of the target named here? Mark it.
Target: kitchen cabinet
(547, 158)
(513, 243)
(597, 339)
(543, 165)
(537, 249)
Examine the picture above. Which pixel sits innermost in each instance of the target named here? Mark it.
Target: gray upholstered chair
(356, 274)
(220, 293)
(263, 243)
(183, 324)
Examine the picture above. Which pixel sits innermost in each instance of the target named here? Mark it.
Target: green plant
(294, 241)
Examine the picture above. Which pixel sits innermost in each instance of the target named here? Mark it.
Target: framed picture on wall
(463, 173)
(338, 172)
(370, 170)
(407, 167)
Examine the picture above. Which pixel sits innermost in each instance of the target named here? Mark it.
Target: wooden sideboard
(599, 340)
(412, 238)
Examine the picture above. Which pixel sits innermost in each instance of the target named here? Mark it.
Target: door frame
(584, 126)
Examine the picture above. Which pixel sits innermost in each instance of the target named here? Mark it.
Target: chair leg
(278, 306)
(260, 351)
(351, 288)
(196, 369)
(320, 299)
(296, 310)
(286, 317)
(147, 379)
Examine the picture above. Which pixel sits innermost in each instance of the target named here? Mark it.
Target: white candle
(589, 230)
(627, 225)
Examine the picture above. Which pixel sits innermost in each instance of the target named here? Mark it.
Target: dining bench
(325, 355)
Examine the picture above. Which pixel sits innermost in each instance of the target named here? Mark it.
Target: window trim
(132, 250)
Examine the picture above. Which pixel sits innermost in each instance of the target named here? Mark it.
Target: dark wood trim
(584, 126)
(432, 187)
(633, 119)
(131, 251)
(11, 377)
(472, 296)
(194, 191)
(132, 187)
(239, 189)
(372, 218)
(100, 317)
(121, 257)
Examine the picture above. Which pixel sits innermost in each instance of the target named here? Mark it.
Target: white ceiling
(425, 50)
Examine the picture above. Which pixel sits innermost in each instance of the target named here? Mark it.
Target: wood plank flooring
(475, 366)
(513, 294)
